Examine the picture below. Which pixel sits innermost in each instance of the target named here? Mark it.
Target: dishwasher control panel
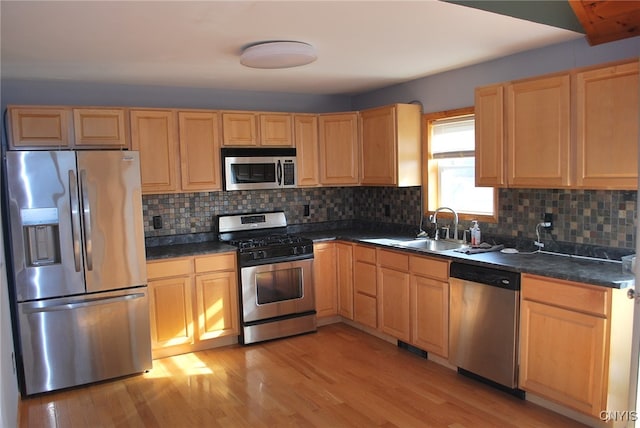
(485, 275)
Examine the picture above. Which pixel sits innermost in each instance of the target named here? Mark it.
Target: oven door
(278, 289)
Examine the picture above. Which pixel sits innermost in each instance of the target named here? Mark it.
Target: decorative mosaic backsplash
(604, 218)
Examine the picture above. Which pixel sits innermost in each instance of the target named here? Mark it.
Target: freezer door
(44, 224)
(113, 231)
(78, 340)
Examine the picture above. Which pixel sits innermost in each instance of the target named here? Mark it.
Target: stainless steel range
(276, 275)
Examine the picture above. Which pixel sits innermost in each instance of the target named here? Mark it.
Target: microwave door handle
(75, 218)
(279, 173)
(86, 211)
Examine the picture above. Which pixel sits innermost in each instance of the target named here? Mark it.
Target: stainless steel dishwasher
(483, 323)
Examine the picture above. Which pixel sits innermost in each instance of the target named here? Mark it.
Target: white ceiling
(361, 45)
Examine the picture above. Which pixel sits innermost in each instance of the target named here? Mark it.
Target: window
(450, 160)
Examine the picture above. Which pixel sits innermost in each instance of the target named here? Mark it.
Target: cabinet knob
(631, 293)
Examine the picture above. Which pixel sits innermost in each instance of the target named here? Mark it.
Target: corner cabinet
(193, 303)
(607, 127)
(390, 153)
(575, 344)
(338, 135)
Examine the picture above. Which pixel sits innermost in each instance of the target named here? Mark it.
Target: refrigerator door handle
(75, 219)
(40, 307)
(86, 214)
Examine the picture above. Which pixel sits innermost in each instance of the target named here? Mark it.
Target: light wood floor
(338, 377)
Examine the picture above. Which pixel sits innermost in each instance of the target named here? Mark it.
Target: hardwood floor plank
(338, 377)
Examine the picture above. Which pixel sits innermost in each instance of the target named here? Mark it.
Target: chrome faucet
(434, 220)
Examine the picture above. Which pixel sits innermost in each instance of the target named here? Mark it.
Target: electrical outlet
(306, 210)
(157, 222)
(548, 221)
(387, 210)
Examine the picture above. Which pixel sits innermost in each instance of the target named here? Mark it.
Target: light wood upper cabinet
(538, 132)
(307, 151)
(239, 129)
(199, 151)
(607, 127)
(391, 145)
(155, 134)
(344, 267)
(276, 129)
(101, 128)
(325, 279)
(489, 126)
(339, 149)
(40, 127)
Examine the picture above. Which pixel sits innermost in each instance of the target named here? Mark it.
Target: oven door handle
(279, 172)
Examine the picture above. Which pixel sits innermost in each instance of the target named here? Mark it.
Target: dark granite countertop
(579, 269)
(589, 271)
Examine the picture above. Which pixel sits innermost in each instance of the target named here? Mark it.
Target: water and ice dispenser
(41, 236)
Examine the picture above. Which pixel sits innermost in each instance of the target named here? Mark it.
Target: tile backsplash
(594, 217)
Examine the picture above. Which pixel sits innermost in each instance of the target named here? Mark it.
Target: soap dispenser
(475, 233)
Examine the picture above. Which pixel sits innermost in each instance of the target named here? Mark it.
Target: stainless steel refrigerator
(77, 268)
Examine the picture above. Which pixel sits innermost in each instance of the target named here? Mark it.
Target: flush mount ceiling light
(278, 54)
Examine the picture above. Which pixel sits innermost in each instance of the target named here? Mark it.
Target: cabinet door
(430, 315)
(365, 309)
(538, 132)
(100, 128)
(154, 134)
(325, 279)
(217, 305)
(562, 356)
(199, 151)
(40, 127)
(306, 142)
(239, 129)
(489, 125)
(607, 127)
(344, 266)
(276, 130)
(393, 303)
(171, 312)
(378, 154)
(339, 149)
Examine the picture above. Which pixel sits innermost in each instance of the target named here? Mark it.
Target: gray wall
(100, 94)
(454, 89)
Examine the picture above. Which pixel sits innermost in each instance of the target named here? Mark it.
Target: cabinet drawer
(580, 297)
(394, 260)
(438, 269)
(168, 268)
(364, 254)
(218, 262)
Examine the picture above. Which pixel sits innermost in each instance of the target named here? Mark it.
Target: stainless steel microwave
(257, 168)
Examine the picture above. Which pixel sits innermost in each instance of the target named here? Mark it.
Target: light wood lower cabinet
(365, 288)
(394, 294)
(193, 303)
(575, 340)
(344, 268)
(325, 279)
(430, 304)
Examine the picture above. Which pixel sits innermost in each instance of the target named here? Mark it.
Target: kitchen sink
(428, 244)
